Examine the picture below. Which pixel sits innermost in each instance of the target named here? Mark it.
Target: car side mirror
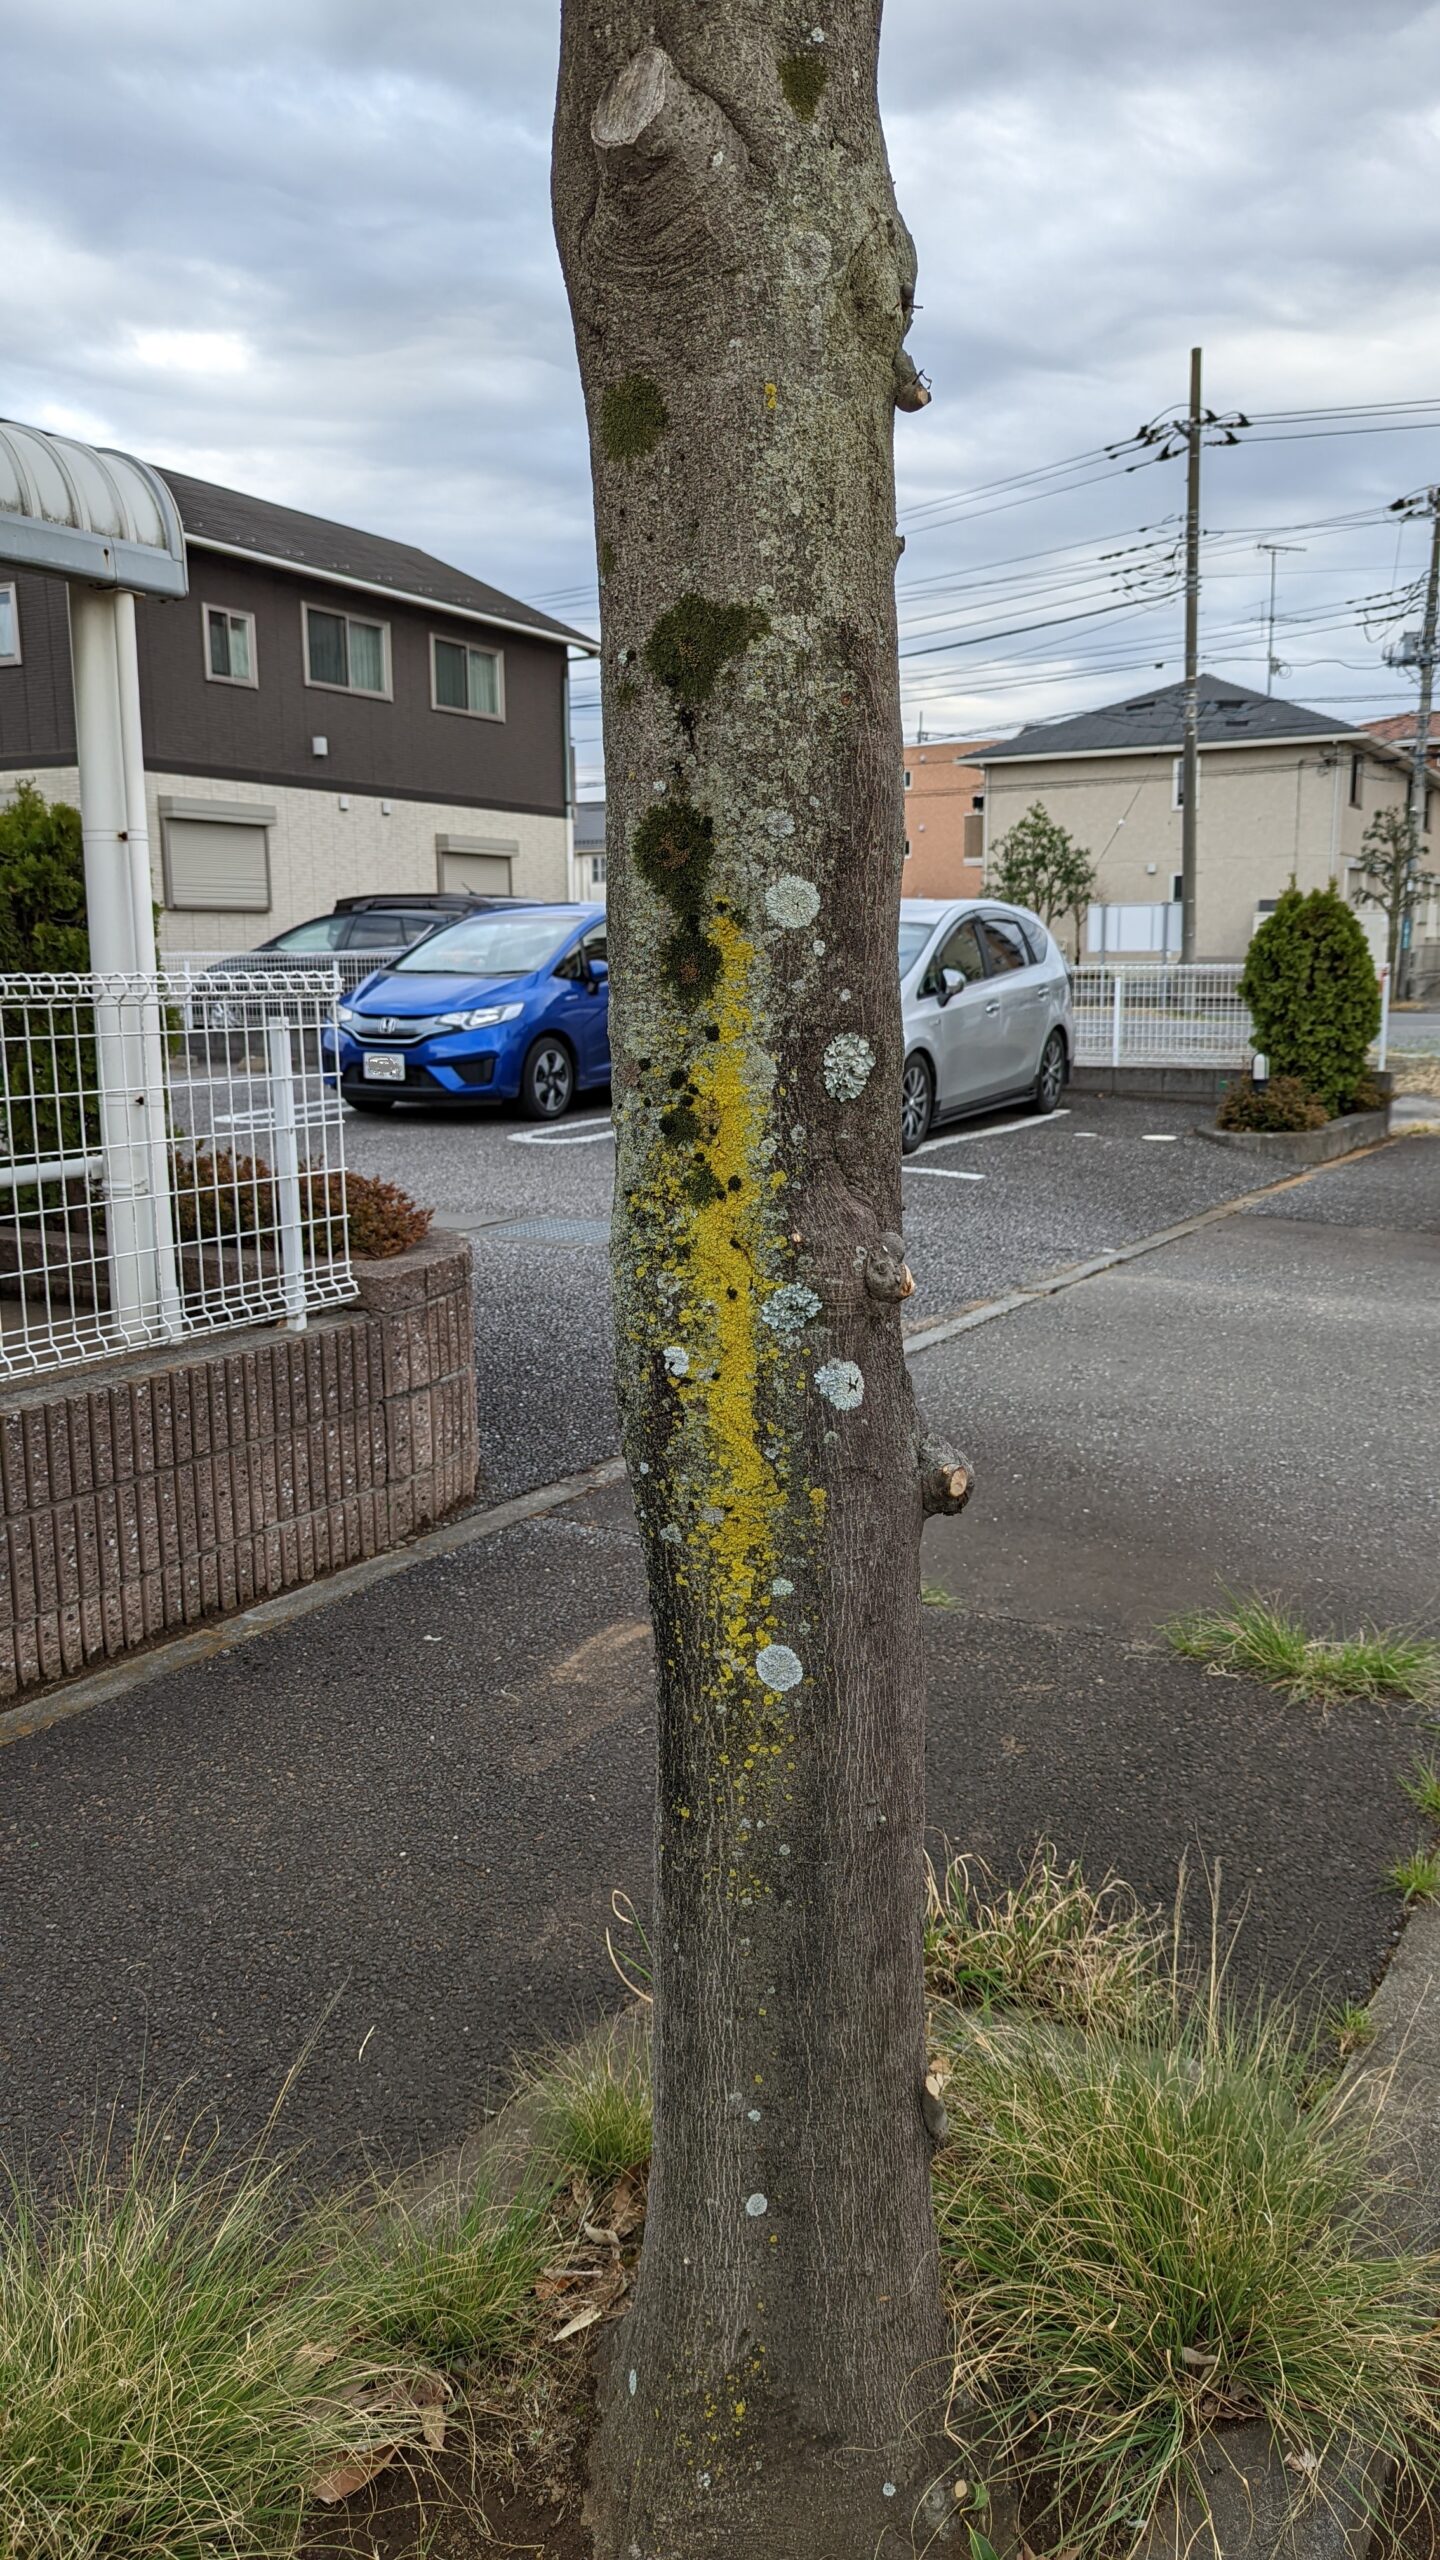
(599, 972)
(951, 983)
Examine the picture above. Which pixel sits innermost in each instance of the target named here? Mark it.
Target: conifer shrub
(1314, 998)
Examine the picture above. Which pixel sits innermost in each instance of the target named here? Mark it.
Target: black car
(354, 936)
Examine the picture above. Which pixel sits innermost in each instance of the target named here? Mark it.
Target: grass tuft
(450, 2281)
(185, 2355)
(1144, 2239)
(1052, 1944)
(1416, 1878)
(1352, 2028)
(1423, 1788)
(1254, 1637)
(593, 2111)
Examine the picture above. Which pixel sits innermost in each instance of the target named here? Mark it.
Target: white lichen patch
(849, 1065)
(842, 1384)
(755, 2206)
(790, 1309)
(671, 1534)
(779, 1666)
(677, 1360)
(777, 822)
(792, 901)
(780, 1589)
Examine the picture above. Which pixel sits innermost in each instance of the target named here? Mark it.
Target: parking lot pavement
(392, 1826)
(986, 1205)
(1243, 1407)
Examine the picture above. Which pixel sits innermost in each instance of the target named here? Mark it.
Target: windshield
(485, 946)
(913, 937)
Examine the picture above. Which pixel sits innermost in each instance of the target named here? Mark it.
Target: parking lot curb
(1027, 1293)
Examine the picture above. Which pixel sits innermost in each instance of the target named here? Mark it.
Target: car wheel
(372, 1102)
(547, 1081)
(1050, 1082)
(917, 1104)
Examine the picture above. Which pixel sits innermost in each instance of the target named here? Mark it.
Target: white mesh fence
(1168, 1015)
(163, 1173)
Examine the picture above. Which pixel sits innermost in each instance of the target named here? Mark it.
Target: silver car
(986, 1001)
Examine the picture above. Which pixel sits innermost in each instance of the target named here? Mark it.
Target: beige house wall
(1266, 813)
(326, 845)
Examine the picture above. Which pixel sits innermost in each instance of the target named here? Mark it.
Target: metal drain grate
(550, 1231)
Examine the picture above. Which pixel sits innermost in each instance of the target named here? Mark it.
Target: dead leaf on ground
(401, 2411)
(310, 2359)
(627, 2205)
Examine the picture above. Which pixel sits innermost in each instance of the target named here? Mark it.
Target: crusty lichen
(633, 417)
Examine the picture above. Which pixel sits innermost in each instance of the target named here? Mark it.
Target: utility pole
(1419, 771)
(1272, 663)
(1165, 438)
(1190, 765)
(1425, 503)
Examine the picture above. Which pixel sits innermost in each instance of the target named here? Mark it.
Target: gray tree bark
(741, 285)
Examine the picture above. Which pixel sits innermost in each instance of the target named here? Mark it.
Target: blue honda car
(504, 1007)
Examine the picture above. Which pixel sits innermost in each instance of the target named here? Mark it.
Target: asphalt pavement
(996, 1202)
(385, 1835)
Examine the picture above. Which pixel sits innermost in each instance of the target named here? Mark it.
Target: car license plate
(381, 1068)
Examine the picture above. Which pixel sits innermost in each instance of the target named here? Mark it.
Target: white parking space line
(542, 1138)
(1159, 1138)
(942, 1173)
(1002, 1129)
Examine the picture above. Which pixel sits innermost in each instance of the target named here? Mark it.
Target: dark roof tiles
(1230, 714)
(314, 543)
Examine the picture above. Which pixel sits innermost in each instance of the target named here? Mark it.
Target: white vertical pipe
(1117, 1013)
(1384, 1013)
(286, 1169)
(109, 905)
(165, 1270)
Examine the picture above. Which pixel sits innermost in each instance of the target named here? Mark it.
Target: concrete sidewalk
(394, 1824)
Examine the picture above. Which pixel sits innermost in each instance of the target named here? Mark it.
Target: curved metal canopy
(85, 512)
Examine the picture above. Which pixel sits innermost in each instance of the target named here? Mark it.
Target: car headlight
(481, 1019)
(347, 1014)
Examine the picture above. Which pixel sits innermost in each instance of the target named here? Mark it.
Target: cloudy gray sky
(303, 247)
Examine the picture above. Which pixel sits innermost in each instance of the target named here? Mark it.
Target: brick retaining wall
(175, 1486)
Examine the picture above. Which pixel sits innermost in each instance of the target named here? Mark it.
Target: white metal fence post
(1117, 1020)
(109, 905)
(164, 1274)
(1384, 1012)
(285, 1124)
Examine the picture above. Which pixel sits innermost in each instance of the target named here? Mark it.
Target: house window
(907, 777)
(1357, 782)
(466, 679)
(344, 654)
(229, 646)
(1177, 783)
(1177, 889)
(9, 628)
(216, 855)
(907, 848)
(597, 870)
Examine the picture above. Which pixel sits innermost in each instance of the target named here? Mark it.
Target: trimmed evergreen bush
(1314, 998)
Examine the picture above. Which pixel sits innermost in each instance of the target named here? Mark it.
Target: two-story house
(1284, 793)
(326, 713)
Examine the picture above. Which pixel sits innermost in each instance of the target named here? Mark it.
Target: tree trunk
(741, 284)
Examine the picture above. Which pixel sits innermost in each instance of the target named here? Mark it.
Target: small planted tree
(1313, 995)
(1039, 864)
(1391, 877)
